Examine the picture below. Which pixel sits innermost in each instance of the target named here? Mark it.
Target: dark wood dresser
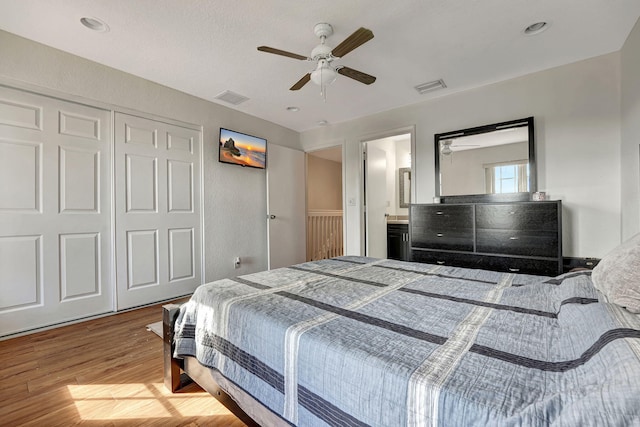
(523, 237)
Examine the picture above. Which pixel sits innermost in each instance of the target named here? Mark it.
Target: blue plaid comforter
(355, 341)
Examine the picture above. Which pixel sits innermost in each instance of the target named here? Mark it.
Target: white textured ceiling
(204, 47)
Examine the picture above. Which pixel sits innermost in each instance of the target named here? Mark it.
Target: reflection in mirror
(404, 183)
(491, 159)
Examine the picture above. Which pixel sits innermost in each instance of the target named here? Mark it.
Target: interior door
(158, 235)
(286, 236)
(376, 202)
(55, 210)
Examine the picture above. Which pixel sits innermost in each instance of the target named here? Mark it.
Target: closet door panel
(20, 176)
(20, 272)
(80, 265)
(158, 235)
(55, 211)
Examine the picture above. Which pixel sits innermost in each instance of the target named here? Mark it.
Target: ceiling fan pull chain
(323, 87)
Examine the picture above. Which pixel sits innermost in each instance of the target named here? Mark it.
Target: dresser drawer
(523, 265)
(449, 239)
(448, 227)
(522, 216)
(452, 259)
(494, 263)
(442, 217)
(517, 242)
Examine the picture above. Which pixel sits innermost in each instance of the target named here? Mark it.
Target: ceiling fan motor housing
(323, 30)
(322, 51)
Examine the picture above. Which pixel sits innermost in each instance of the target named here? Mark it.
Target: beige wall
(630, 152)
(576, 109)
(231, 195)
(324, 184)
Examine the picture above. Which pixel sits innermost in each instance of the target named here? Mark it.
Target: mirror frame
(506, 197)
(401, 190)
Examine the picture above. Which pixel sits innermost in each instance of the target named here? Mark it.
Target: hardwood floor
(103, 372)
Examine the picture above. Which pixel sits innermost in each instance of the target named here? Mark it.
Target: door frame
(411, 130)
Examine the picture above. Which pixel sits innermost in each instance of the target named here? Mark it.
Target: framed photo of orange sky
(238, 148)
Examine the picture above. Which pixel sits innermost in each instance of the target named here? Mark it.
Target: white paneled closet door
(55, 211)
(158, 233)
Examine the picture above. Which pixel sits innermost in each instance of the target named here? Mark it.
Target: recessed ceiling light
(536, 28)
(95, 24)
(293, 109)
(322, 122)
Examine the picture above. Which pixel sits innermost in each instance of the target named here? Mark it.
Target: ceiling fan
(446, 146)
(325, 72)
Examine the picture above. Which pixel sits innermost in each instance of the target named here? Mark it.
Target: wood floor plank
(103, 372)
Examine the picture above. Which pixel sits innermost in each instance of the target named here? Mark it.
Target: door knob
(271, 216)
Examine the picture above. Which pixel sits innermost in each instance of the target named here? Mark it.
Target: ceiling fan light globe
(324, 74)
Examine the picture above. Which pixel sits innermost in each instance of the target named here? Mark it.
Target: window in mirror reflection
(509, 178)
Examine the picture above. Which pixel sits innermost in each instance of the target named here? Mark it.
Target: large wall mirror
(491, 162)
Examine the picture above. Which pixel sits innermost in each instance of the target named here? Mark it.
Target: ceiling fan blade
(303, 81)
(282, 52)
(358, 38)
(357, 75)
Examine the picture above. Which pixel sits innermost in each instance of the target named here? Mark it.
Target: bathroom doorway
(385, 158)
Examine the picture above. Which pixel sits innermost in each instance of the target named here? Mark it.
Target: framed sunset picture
(238, 148)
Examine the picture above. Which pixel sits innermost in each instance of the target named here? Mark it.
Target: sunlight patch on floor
(138, 400)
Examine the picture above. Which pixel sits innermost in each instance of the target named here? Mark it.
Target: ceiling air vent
(231, 97)
(430, 87)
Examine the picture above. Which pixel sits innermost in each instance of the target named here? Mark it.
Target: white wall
(577, 121)
(234, 197)
(630, 161)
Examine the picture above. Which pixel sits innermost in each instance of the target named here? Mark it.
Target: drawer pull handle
(513, 238)
(439, 234)
(514, 270)
(439, 213)
(440, 262)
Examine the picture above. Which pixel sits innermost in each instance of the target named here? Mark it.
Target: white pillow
(617, 275)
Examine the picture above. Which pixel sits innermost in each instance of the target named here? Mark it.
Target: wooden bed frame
(178, 373)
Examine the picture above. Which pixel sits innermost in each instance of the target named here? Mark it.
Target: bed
(356, 341)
